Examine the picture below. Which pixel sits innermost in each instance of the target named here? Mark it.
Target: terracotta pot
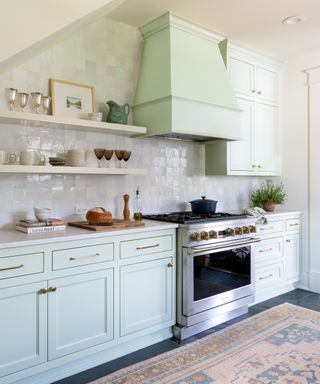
(269, 206)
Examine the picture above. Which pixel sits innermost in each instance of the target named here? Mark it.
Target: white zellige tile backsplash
(106, 54)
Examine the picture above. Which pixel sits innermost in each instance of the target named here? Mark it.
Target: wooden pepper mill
(126, 212)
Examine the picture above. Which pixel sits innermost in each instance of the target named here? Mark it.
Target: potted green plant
(268, 195)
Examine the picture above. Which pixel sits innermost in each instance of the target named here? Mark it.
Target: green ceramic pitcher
(117, 113)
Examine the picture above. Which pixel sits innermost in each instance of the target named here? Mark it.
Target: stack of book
(35, 226)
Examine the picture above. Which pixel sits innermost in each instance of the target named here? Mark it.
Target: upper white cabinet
(242, 76)
(267, 85)
(250, 79)
(256, 86)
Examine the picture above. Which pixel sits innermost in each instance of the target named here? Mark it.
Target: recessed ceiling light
(293, 20)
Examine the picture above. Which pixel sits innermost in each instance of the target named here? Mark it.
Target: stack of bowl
(76, 158)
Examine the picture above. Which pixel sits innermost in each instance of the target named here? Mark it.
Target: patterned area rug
(280, 345)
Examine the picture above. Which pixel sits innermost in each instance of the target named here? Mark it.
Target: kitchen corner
(195, 129)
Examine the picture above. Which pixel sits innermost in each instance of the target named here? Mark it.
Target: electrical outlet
(80, 211)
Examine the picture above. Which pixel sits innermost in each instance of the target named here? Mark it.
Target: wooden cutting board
(117, 224)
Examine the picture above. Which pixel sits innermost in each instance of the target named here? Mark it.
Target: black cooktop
(193, 218)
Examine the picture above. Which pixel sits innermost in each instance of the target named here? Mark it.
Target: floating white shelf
(62, 170)
(14, 117)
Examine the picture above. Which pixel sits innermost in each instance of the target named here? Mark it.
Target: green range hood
(183, 90)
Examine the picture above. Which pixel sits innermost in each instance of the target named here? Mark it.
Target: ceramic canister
(3, 156)
(27, 157)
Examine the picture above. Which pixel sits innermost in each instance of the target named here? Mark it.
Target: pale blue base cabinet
(68, 306)
(278, 255)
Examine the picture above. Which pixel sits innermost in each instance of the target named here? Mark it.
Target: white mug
(27, 157)
(3, 156)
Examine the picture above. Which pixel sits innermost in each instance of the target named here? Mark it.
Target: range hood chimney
(183, 90)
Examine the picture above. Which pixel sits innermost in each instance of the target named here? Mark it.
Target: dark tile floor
(298, 297)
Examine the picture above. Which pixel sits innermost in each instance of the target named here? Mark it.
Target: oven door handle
(222, 247)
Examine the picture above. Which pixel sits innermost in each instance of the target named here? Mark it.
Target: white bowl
(42, 214)
(96, 116)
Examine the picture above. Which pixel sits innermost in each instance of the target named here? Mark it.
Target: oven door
(217, 274)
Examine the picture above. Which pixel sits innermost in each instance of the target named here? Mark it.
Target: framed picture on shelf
(72, 99)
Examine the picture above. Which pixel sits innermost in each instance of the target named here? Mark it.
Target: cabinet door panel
(23, 327)
(266, 138)
(241, 152)
(241, 76)
(267, 84)
(146, 295)
(80, 312)
(291, 254)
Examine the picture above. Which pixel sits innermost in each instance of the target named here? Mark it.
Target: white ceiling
(255, 24)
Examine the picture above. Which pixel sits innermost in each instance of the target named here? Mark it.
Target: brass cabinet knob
(213, 234)
(259, 92)
(245, 230)
(259, 166)
(196, 236)
(52, 289)
(253, 166)
(205, 235)
(253, 90)
(170, 264)
(42, 291)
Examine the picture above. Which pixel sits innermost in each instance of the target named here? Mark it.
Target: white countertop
(281, 213)
(12, 238)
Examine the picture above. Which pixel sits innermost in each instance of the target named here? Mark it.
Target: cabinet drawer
(21, 265)
(268, 275)
(270, 227)
(146, 246)
(293, 224)
(268, 249)
(74, 257)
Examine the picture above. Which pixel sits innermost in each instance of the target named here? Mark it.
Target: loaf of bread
(98, 215)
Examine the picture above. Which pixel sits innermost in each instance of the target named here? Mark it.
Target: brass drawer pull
(9, 268)
(148, 246)
(259, 92)
(170, 265)
(84, 257)
(265, 277)
(266, 229)
(293, 225)
(52, 289)
(265, 250)
(42, 291)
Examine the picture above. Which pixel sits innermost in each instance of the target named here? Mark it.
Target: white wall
(295, 151)
(107, 55)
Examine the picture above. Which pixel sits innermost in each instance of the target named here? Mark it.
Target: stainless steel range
(215, 268)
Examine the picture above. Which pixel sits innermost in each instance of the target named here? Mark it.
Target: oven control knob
(205, 236)
(238, 231)
(245, 230)
(213, 234)
(196, 236)
(252, 228)
(230, 232)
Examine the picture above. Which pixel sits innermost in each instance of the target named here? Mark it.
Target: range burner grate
(191, 218)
